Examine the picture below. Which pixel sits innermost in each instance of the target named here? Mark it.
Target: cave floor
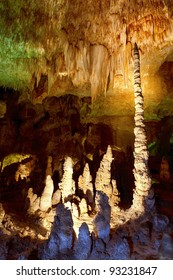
(28, 229)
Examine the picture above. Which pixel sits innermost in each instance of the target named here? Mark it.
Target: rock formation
(61, 236)
(56, 198)
(83, 208)
(118, 248)
(166, 247)
(86, 186)
(141, 199)
(101, 221)
(67, 185)
(46, 197)
(82, 248)
(103, 176)
(32, 202)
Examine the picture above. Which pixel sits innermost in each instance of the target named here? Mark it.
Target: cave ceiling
(85, 47)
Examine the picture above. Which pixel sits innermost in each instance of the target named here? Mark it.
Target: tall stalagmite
(143, 198)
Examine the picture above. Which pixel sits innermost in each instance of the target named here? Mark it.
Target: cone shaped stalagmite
(142, 198)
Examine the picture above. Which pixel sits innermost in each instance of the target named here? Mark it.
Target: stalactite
(100, 69)
(141, 199)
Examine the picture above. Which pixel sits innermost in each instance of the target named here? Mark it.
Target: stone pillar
(46, 197)
(101, 222)
(82, 248)
(143, 198)
(61, 236)
(85, 184)
(67, 185)
(103, 176)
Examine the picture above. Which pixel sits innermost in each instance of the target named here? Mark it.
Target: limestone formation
(83, 206)
(118, 248)
(32, 202)
(67, 185)
(141, 170)
(82, 248)
(75, 211)
(46, 197)
(56, 198)
(166, 247)
(115, 195)
(101, 221)
(86, 186)
(61, 236)
(103, 176)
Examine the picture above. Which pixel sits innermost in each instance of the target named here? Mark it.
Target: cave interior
(67, 142)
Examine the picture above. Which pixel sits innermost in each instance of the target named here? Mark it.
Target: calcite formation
(143, 198)
(60, 239)
(46, 197)
(103, 176)
(82, 248)
(67, 184)
(52, 208)
(32, 202)
(101, 220)
(86, 186)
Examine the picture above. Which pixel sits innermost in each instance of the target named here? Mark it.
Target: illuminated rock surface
(68, 132)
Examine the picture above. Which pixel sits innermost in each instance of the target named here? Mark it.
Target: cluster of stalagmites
(76, 221)
(86, 202)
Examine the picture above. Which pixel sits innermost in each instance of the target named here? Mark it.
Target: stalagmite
(56, 198)
(86, 186)
(101, 222)
(67, 185)
(32, 202)
(82, 247)
(61, 236)
(83, 206)
(142, 198)
(103, 176)
(46, 197)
